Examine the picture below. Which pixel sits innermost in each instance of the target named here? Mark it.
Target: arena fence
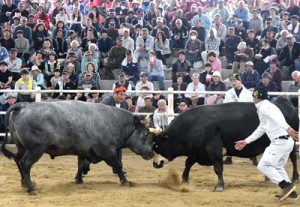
(170, 95)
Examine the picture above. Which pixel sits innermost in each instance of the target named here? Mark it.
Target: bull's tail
(15, 108)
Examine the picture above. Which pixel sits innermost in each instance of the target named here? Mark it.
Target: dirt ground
(245, 186)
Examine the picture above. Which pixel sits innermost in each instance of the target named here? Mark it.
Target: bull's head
(158, 160)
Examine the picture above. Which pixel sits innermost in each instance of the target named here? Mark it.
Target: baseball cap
(143, 74)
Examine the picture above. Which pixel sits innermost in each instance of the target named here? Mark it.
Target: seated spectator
(148, 107)
(70, 68)
(74, 49)
(112, 32)
(128, 42)
(214, 61)
(86, 41)
(72, 58)
(87, 82)
(238, 92)
(50, 66)
(162, 47)
(216, 85)
(72, 35)
(156, 97)
(182, 106)
(156, 70)
(189, 15)
(160, 26)
(93, 48)
(37, 76)
(275, 73)
(60, 45)
(80, 95)
(193, 48)
(180, 35)
(26, 83)
(6, 76)
(14, 64)
(123, 82)
(179, 15)
(62, 16)
(265, 54)
(160, 116)
(76, 20)
(231, 44)
(104, 44)
(27, 33)
(139, 18)
(95, 97)
(143, 93)
(130, 67)
(240, 29)
(132, 108)
(88, 58)
(42, 16)
(206, 75)
(7, 41)
(22, 46)
(241, 56)
(270, 38)
(201, 33)
(221, 32)
(3, 53)
(294, 87)
(39, 33)
(56, 78)
(195, 85)
(38, 59)
(115, 57)
(95, 75)
(250, 77)
(252, 42)
(143, 81)
(282, 41)
(181, 67)
(274, 17)
(267, 83)
(255, 23)
(179, 85)
(10, 99)
(269, 27)
(211, 44)
(294, 27)
(144, 45)
(47, 47)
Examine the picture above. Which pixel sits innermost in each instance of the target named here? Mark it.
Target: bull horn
(154, 131)
(147, 121)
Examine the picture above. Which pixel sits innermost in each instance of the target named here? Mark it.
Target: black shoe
(124, 172)
(286, 191)
(293, 196)
(227, 161)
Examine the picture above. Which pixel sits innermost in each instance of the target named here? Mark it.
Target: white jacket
(245, 96)
(149, 44)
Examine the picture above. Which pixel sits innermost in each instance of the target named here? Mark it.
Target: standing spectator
(22, 46)
(155, 70)
(162, 47)
(180, 35)
(250, 77)
(243, 13)
(231, 44)
(26, 83)
(211, 44)
(193, 48)
(195, 85)
(181, 67)
(130, 67)
(117, 100)
(294, 87)
(115, 57)
(144, 45)
(14, 64)
(242, 55)
(275, 73)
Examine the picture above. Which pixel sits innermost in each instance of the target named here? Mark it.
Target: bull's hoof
(267, 179)
(219, 189)
(295, 180)
(32, 192)
(185, 180)
(78, 181)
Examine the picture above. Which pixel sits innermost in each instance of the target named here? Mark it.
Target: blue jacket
(250, 80)
(105, 45)
(131, 69)
(3, 53)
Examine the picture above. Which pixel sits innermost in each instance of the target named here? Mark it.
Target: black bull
(201, 133)
(93, 132)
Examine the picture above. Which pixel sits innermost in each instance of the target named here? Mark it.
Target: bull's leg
(189, 162)
(218, 168)
(293, 157)
(118, 167)
(81, 165)
(26, 163)
(18, 161)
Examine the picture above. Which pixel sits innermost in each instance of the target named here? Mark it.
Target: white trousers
(275, 158)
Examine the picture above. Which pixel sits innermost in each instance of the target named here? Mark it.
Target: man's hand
(239, 145)
(293, 133)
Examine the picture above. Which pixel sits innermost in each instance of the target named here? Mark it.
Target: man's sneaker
(228, 161)
(293, 196)
(286, 191)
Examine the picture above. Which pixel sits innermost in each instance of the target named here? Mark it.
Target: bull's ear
(137, 122)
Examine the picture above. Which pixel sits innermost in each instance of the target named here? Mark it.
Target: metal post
(38, 95)
(170, 104)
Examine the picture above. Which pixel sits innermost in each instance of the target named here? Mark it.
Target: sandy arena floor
(245, 186)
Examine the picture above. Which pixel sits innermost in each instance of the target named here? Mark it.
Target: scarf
(29, 83)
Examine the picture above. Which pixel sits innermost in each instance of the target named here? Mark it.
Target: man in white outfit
(281, 135)
(238, 93)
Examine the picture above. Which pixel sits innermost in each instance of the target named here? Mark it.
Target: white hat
(249, 63)
(160, 19)
(241, 45)
(217, 73)
(35, 68)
